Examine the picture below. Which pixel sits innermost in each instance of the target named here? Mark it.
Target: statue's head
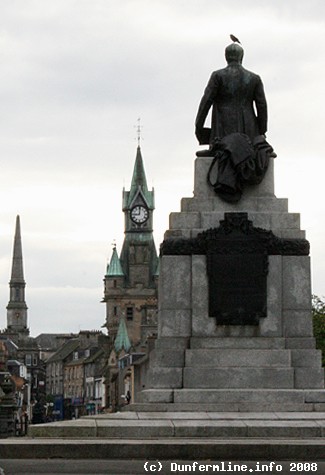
(234, 53)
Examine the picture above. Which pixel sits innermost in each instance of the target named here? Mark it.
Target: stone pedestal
(196, 362)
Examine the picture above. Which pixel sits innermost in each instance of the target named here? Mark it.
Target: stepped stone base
(198, 363)
(193, 435)
(137, 425)
(225, 400)
(234, 373)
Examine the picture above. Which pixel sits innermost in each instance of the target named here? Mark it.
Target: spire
(17, 272)
(139, 180)
(122, 340)
(139, 186)
(17, 308)
(114, 269)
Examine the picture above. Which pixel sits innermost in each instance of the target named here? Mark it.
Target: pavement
(151, 449)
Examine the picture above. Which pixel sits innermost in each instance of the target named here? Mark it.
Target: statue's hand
(203, 135)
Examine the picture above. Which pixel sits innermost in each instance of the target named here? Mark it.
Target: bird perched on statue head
(234, 39)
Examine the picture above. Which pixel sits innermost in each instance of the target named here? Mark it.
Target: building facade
(74, 375)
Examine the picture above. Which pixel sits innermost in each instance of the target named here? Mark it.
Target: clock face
(139, 214)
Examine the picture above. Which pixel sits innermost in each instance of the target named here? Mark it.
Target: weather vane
(139, 127)
(114, 243)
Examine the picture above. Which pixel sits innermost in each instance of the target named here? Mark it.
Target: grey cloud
(74, 78)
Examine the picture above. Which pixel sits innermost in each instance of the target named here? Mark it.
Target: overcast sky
(75, 75)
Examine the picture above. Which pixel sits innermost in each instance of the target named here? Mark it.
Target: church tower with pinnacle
(17, 308)
(131, 279)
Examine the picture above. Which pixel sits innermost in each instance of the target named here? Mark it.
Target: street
(137, 467)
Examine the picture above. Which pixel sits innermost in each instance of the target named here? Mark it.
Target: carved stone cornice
(237, 228)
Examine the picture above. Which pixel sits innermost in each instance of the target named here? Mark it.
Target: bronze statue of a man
(232, 92)
(238, 125)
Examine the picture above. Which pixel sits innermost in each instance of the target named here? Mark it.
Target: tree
(318, 311)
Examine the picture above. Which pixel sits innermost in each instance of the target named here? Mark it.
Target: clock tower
(138, 256)
(131, 279)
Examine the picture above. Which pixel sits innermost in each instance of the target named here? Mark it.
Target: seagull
(234, 39)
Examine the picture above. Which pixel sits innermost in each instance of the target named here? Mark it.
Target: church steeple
(17, 271)
(17, 308)
(139, 179)
(139, 193)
